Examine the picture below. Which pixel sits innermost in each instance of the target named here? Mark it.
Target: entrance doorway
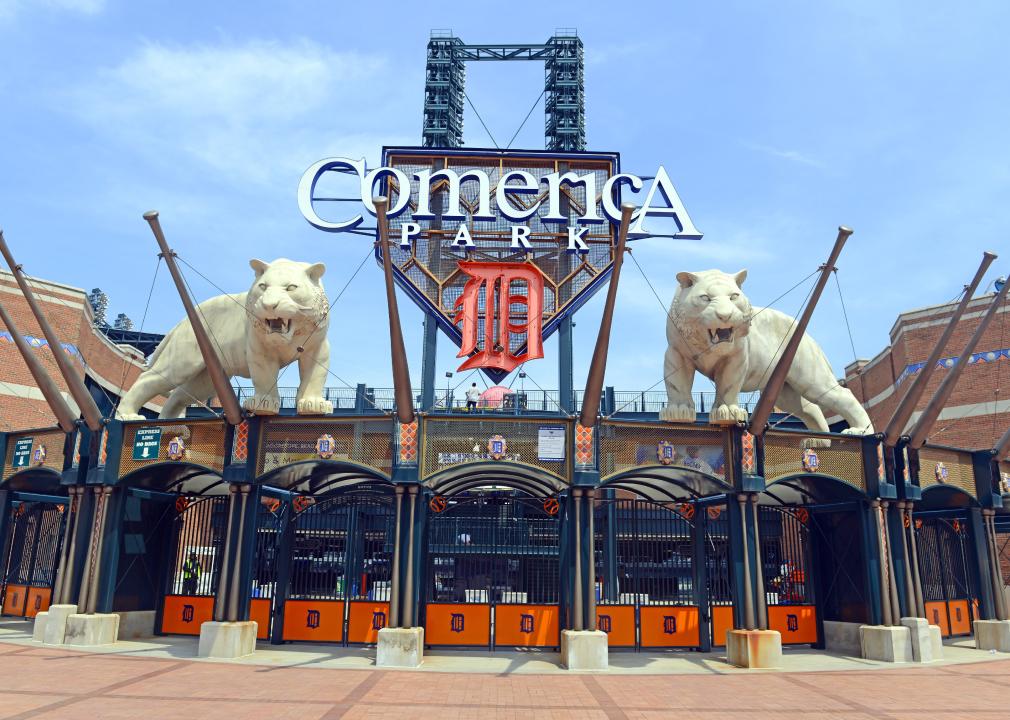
(948, 586)
(31, 555)
(493, 572)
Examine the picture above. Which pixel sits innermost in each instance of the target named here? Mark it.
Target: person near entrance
(191, 574)
(472, 396)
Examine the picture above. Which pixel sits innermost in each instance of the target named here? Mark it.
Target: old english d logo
(187, 613)
(792, 623)
(957, 613)
(456, 622)
(312, 619)
(526, 623)
(498, 280)
(604, 623)
(378, 620)
(670, 624)
(936, 616)
(38, 602)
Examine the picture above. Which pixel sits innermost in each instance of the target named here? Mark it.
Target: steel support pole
(218, 377)
(402, 391)
(102, 496)
(885, 593)
(75, 383)
(999, 594)
(759, 574)
(892, 581)
(66, 549)
(394, 590)
(408, 590)
(918, 385)
(748, 590)
(221, 596)
(577, 616)
(236, 563)
(598, 364)
(591, 532)
(909, 583)
(770, 393)
(920, 605)
(64, 415)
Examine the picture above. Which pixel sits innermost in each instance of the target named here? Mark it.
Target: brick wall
(70, 315)
(978, 411)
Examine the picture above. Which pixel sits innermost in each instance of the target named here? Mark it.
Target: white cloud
(248, 112)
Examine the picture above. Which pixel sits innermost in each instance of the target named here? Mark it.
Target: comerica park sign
(498, 246)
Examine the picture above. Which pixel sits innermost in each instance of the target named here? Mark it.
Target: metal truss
(564, 86)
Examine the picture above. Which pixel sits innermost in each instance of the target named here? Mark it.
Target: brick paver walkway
(55, 683)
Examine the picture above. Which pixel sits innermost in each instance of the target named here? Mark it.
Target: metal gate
(271, 520)
(493, 573)
(31, 555)
(836, 544)
(651, 592)
(194, 566)
(785, 567)
(948, 586)
(340, 569)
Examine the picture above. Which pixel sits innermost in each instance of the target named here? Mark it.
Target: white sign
(661, 200)
(551, 443)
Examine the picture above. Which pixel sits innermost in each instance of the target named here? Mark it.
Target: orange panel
(960, 620)
(314, 620)
(457, 624)
(38, 600)
(367, 618)
(796, 623)
(183, 614)
(259, 610)
(526, 625)
(936, 614)
(618, 621)
(14, 600)
(669, 625)
(722, 623)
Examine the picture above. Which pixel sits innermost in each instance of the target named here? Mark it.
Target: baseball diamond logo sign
(499, 247)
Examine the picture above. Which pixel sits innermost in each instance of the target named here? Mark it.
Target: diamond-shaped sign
(428, 268)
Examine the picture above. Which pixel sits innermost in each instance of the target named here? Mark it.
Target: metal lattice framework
(946, 466)
(564, 86)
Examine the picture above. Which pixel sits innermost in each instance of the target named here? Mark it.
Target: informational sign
(551, 443)
(22, 453)
(147, 443)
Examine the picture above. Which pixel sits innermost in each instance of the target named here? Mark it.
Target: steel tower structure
(564, 86)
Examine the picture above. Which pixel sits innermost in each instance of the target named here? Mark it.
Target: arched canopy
(320, 477)
(523, 477)
(940, 497)
(661, 483)
(810, 489)
(176, 477)
(40, 480)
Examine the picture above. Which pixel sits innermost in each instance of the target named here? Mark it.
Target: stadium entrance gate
(492, 575)
(31, 555)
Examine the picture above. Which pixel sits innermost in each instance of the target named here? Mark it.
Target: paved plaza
(161, 678)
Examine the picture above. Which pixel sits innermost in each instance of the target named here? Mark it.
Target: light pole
(448, 378)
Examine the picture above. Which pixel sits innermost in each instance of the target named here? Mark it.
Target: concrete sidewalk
(51, 683)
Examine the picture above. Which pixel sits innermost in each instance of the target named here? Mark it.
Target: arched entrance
(323, 563)
(31, 555)
(663, 559)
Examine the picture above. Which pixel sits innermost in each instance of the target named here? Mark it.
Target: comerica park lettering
(660, 201)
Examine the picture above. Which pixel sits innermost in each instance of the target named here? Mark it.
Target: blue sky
(777, 121)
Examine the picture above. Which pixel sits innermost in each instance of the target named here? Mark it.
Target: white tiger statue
(282, 318)
(712, 328)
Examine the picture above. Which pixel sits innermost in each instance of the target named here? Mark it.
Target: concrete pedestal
(992, 635)
(584, 649)
(754, 648)
(936, 642)
(55, 626)
(885, 643)
(921, 637)
(227, 640)
(136, 624)
(91, 630)
(400, 647)
(842, 637)
(39, 626)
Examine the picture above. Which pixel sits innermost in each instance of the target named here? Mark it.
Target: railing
(520, 401)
